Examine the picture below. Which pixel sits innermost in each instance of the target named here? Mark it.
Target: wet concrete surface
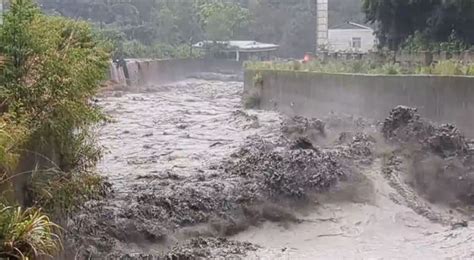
(183, 162)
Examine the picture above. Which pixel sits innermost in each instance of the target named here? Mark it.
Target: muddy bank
(197, 176)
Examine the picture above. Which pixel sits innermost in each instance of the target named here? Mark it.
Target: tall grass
(27, 234)
(448, 67)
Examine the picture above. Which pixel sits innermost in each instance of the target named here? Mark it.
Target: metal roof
(350, 26)
(240, 45)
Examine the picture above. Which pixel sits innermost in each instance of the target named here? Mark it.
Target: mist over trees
(169, 27)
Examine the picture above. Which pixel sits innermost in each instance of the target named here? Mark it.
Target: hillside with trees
(167, 28)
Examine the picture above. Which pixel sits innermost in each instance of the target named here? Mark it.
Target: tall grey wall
(444, 99)
(142, 71)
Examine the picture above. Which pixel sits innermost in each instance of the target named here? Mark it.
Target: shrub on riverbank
(52, 67)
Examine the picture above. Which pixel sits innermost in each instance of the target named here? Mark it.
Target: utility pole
(3, 11)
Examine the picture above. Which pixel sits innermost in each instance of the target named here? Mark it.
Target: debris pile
(448, 141)
(299, 126)
(197, 248)
(405, 126)
(361, 148)
(293, 169)
(440, 160)
(205, 248)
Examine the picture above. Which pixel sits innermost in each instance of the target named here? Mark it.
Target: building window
(356, 42)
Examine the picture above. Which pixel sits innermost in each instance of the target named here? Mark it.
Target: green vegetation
(50, 69)
(53, 67)
(165, 29)
(449, 67)
(289, 23)
(136, 49)
(430, 24)
(419, 42)
(223, 21)
(27, 234)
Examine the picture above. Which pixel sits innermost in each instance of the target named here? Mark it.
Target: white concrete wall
(341, 39)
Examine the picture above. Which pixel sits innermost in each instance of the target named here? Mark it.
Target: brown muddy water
(185, 161)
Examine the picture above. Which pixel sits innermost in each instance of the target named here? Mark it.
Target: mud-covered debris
(441, 165)
(405, 126)
(344, 137)
(398, 118)
(281, 171)
(362, 147)
(196, 248)
(357, 147)
(448, 141)
(207, 248)
(299, 126)
(302, 143)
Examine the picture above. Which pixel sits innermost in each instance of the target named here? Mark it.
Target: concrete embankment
(445, 99)
(145, 71)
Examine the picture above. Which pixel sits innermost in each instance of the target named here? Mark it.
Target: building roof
(239, 45)
(351, 26)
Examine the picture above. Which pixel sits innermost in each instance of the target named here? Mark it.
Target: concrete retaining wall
(143, 71)
(445, 99)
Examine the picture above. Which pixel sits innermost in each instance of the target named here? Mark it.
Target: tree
(50, 69)
(436, 20)
(53, 67)
(453, 16)
(341, 11)
(223, 21)
(290, 23)
(396, 20)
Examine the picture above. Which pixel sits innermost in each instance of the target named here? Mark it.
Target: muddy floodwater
(181, 160)
(176, 129)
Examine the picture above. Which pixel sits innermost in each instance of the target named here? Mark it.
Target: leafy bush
(135, 49)
(448, 67)
(62, 192)
(420, 42)
(50, 69)
(387, 69)
(53, 67)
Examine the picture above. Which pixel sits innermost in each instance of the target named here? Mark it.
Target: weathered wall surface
(143, 71)
(444, 99)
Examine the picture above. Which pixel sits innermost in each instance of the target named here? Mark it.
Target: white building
(351, 37)
(240, 50)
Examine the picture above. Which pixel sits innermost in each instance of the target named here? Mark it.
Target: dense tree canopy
(435, 20)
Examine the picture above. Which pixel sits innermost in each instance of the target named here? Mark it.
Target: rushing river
(164, 135)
